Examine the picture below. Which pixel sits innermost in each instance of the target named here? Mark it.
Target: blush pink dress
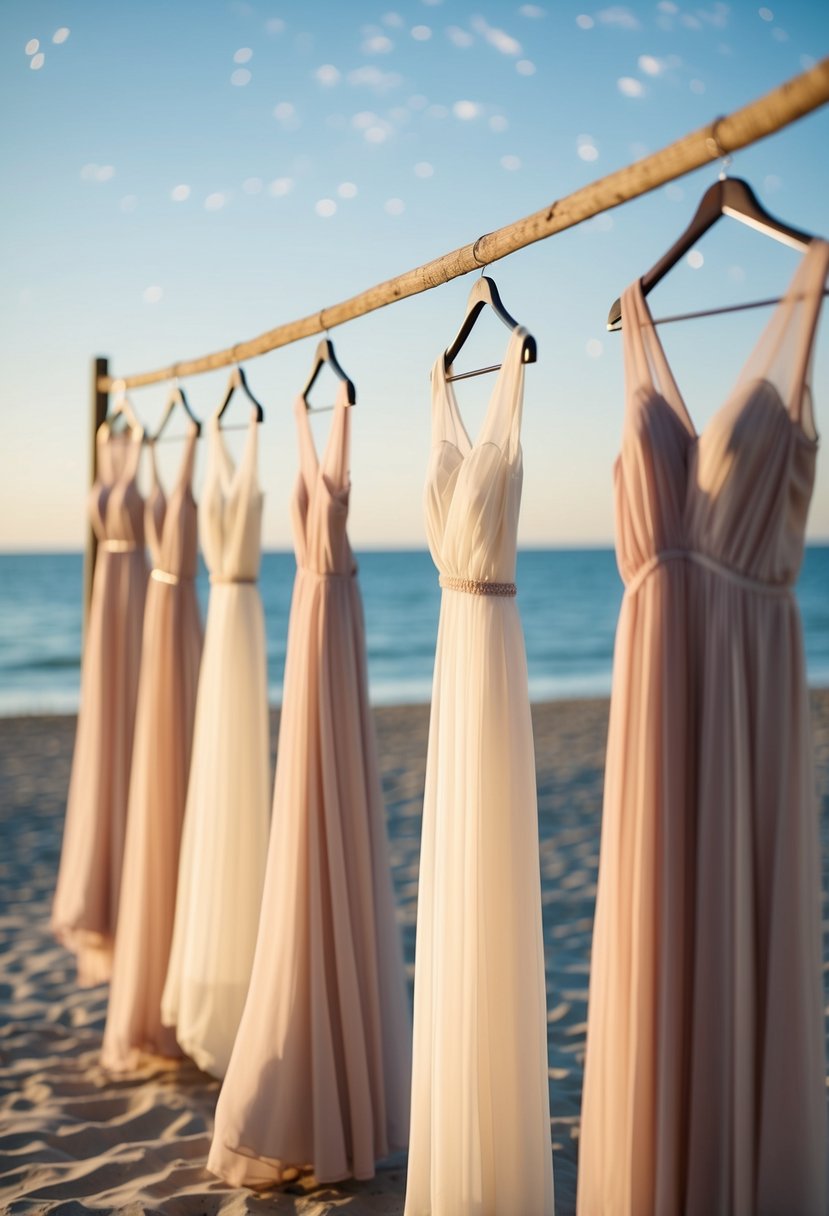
(319, 1075)
(85, 906)
(704, 1085)
(158, 788)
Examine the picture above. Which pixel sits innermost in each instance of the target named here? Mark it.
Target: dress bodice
(473, 490)
(319, 507)
(171, 524)
(116, 506)
(737, 494)
(230, 518)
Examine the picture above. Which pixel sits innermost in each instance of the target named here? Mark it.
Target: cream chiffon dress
(319, 1075)
(704, 1091)
(170, 658)
(85, 907)
(226, 819)
(480, 1129)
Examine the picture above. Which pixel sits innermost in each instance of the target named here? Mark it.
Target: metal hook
(478, 262)
(714, 144)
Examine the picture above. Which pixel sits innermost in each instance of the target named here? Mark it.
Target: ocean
(569, 601)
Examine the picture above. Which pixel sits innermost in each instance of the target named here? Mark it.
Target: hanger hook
(321, 322)
(478, 262)
(726, 159)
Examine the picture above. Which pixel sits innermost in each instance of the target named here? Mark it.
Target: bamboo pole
(98, 412)
(782, 106)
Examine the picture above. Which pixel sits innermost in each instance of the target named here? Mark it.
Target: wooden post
(98, 412)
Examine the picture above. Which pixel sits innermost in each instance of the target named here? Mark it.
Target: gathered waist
(709, 563)
(230, 580)
(473, 586)
(172, 580)
(117, 546)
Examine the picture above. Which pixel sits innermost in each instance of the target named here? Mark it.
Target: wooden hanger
(322, 355)
(237, 380)
(121, 408)
(727, 196)
(176, 397)
(485, 292)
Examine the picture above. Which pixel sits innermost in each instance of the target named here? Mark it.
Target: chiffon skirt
(480, 1135)
(225, 834)
(85, 908)
(158, 790)
(319, 1076)
(704, 1077)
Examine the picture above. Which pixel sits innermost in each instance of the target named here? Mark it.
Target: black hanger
(728, 196)
(121, 408)
(484, 292)
(237, 380)
(176, 397)
(322, 355)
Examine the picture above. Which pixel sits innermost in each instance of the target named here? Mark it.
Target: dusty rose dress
(158, 787)
(319, 1074)
(704, 1077)
(86, 899)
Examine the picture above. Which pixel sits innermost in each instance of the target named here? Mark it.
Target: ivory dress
(320, 1071)
(225, 834)
(704, 1077)
(85, 907)
(158, 788)
(480, 1136)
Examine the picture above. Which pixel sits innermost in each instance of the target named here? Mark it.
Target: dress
(704, 1075)
(320, 1072)
(85, 907)
(225, 834)
(167, 686)
(480, 1135)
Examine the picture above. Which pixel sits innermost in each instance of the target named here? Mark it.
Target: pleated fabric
(480, 1134)
(170, 657)
(85, 907)
(226, 818)
(319, 1076)
(704, 1088)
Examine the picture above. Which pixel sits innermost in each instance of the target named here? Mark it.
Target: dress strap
(336, 460)
(502, 424)
(188, 460)
(447, 424)
(644, 355)
(807, 290)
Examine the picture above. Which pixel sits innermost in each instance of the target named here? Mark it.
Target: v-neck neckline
(228, 485)
(452, 401)
(683, 413)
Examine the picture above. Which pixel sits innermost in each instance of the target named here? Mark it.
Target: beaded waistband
(473, 587)
(117, 546)
(164, 576)
(222, 579)
(710, 563)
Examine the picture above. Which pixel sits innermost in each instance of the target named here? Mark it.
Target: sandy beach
(74, 1140)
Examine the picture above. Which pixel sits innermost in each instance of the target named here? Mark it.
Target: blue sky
(181, 176)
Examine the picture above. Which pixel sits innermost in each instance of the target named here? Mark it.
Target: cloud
(466, 109)
(619, 16)
(372, 77)
(327, 75)
(461, 38)
(500, 39)
(630, 86)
